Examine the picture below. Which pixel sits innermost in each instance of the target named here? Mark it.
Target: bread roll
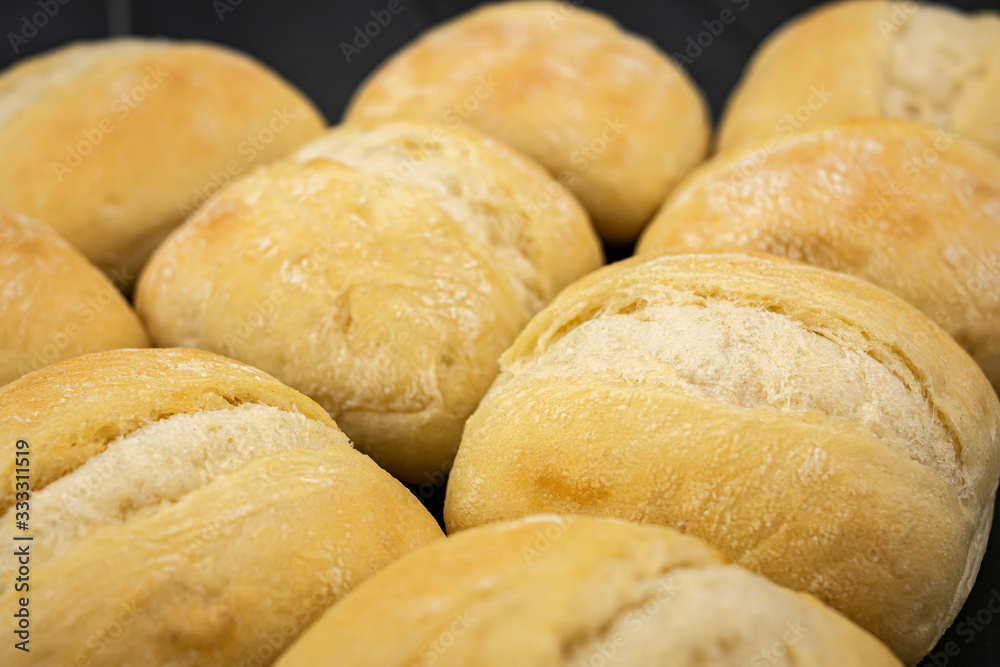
(54, 304)
(816, 429)
(578, 591)
(185, 510)
(859, 58)
(114, 142)
(381, 270)
(910, 208)
(604, 110)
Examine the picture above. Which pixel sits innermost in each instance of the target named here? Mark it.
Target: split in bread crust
(186, 510)
(912, 209)
(381, 270)
(813, 427)
(871, 58)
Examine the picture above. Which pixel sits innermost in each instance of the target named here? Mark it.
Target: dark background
(303, 40)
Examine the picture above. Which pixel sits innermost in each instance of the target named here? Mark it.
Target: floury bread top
(813, 427)
(382, 270)
(184, 510)
(111, 143)
(917, 61)
(578, 592)
(912, 208)
(603, 110)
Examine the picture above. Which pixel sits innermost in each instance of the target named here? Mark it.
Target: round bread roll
(184, 510)
(551, 591)
(816, 429)
(381, 270)
(605, 111)
(859, 58)
(113, 143)
(912, 209)
(54, 304)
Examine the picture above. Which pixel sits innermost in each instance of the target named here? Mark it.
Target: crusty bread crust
(54, 304)
(871, 58)
(913, 209)
(382, 269)
(606, 112)
(187, 510)
(815, 428)
(114, 143)
(577, 591)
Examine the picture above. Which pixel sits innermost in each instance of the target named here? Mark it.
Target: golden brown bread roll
(551, 591)
(54, 304)
(861, 58)
(381, 270)
(185, 510)
(910, 208)
(604, 110)
(815, 428)
(113, 143)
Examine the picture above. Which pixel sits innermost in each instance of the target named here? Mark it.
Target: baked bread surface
(54, 304)
(114, 143)
(911, 208)
(381, 270)
(612, 117)
(814, 428)
(185, 510)
(550, 590)
(871, 58)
